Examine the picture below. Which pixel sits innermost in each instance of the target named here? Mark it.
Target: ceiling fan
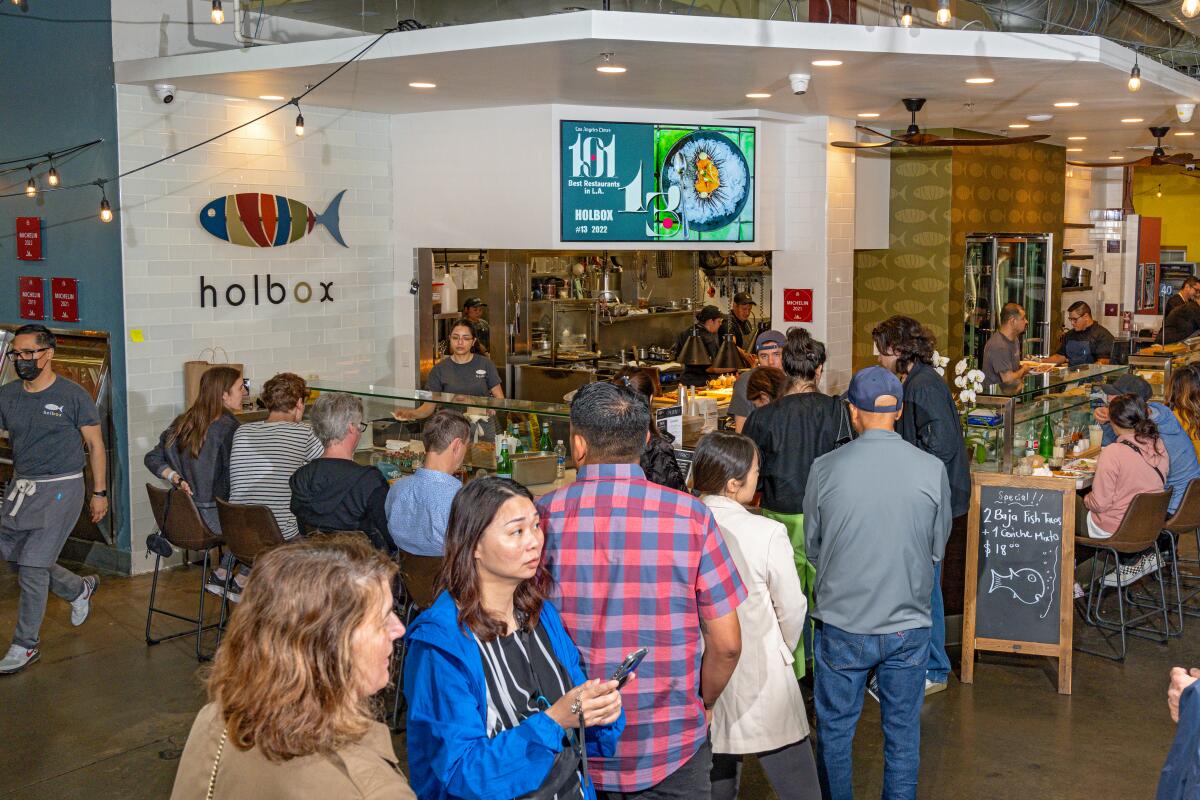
(914, 138)
(1158, 158)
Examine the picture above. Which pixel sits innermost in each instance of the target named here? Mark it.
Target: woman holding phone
(496, 693)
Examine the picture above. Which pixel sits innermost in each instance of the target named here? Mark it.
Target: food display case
(1156, 362)
(397, 444)
(84, 357)
(1007, 420)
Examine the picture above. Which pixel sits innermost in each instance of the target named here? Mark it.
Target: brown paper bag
(192, 370)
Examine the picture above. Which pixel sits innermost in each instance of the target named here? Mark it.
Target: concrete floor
(104, 716)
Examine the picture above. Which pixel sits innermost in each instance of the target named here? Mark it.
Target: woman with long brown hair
(1183, 397)
(495, 689)
(289, 712)
(193, 453)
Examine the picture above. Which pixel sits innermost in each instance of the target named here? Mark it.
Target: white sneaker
(17, 659)
(81, 606)
(933, 687)
(1134, 571)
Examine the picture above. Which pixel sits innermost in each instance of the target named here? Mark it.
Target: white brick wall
(166, 251)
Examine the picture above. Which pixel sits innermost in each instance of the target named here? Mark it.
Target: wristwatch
(102, 493)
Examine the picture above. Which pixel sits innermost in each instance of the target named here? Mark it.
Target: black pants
(791, 770)
(689, 782)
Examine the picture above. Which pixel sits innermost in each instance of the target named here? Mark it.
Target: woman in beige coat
(761, 710)
(289, 713)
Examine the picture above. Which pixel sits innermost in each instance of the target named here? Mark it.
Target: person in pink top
(1135, 463)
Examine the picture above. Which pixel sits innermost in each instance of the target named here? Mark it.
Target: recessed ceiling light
(1040, 117)
(1116, 158)
(869, 115)
(423, 85)
(235, 99)
(1184, 133)
(1133, 119)
(608, 66)
(368, 13)
(826, 62)
(1076, 138)
(1018, 125)
(1066, 104)
(758, 95)
(981, 81)
(1074, 149)
(270, 97)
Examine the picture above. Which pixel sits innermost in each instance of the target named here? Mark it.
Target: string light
(1158, 191)
(218, 13)
(52, 175)
(30, 185)
(906, 19)
(299, 121)
(1190, 8)
(106, 214)
(1135, 74)
(943, 13)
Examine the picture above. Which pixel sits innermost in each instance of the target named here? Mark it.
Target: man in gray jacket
(877, 517)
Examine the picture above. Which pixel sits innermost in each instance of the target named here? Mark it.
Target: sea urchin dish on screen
(713, 179)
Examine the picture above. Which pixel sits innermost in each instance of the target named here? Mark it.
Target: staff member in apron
(48, 419)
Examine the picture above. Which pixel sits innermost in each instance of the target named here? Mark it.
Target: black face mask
(27, 368)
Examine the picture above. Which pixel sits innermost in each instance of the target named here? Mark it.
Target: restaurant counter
(1157, 362)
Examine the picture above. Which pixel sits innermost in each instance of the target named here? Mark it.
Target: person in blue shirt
(495, 689)
(418, 507)
(1180, 451)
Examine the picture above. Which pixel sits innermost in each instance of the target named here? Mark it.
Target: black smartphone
(621, 673)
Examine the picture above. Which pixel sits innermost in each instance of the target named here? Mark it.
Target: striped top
(523, 679)
(263, 459)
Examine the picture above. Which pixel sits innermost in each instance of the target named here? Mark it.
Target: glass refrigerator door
(1036, 296)
(980, 299)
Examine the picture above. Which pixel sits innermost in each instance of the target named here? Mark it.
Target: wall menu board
(1020, 563)
(641, 182)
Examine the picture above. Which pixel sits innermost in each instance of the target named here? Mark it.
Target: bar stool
(249, 532)
(418, 576)
(181, 525)
(1186, 519)
(1138, 531)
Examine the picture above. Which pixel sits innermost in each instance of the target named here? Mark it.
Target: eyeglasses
(15, 354)
(1074, 319)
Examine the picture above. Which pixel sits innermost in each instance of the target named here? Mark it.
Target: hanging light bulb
(906, 19)
(1135, 75)
(299, 119)
(1158, 191)
(31, 184)
(1190, 8)
(943, 13)
(106, 214)
(218, 13)
(52, 175)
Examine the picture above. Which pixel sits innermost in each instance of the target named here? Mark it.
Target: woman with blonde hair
(290, 712)
(193, 453)
(1183, 397)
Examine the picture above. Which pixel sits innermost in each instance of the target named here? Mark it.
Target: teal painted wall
(56, 56)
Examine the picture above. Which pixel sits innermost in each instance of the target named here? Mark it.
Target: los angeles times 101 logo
(591, 157)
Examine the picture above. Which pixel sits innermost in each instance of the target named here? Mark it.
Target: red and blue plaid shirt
(639, 565)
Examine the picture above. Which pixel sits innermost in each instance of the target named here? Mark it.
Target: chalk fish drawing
(254, 219)
(1027, 585)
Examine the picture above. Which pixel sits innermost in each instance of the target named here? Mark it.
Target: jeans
(938, 668)
(690, 782)
(843, 663)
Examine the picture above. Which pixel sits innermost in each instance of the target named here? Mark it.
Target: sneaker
(17, 659)
(873, 687)
(1079, 592)
(1133, 571)
(81, 606)
(214, 586)
(234, 593)
(933, 687)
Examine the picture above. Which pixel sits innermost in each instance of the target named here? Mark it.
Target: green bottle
(515, 432)
(545, 445)
(504, 467)
(1046, 440)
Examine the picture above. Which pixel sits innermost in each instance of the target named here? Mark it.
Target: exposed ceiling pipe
(240, 37)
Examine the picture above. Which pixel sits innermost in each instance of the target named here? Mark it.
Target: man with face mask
(48, 419)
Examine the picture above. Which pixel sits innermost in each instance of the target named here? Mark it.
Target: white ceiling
(709, 65)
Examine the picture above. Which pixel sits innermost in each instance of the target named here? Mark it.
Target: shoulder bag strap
(1138, 450)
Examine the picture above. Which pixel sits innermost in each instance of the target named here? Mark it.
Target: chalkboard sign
(1020, 562)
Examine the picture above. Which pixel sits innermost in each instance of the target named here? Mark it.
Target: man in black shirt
(1186, 294)
(738, 322)
(708, 322)
(1181, 323)
(1088, 342)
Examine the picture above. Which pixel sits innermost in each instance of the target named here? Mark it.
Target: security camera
(1184, 111)
(799, 82)
(165, 92)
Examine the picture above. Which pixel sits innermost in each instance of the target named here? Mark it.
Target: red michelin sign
(29, 239)
(64, 299)
(797, 305)
(33, 292)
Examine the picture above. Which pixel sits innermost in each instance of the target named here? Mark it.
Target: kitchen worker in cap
(48, 419)
(708, 323)
(768, 347)
(472, 310)
(738, 322)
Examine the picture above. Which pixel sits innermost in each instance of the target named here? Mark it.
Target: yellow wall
(1179, 206)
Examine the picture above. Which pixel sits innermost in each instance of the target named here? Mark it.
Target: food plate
(712, 177)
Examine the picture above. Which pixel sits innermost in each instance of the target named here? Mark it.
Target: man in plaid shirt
(639, 565)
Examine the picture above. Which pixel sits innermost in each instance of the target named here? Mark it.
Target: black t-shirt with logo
(44, 426)
(474, 379)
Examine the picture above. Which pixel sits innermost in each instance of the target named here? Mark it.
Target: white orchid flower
(960, 367)
(975, 376)
(960, 382)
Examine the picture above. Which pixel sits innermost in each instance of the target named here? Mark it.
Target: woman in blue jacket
(494, 685)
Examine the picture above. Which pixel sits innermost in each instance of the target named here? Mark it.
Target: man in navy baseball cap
(876, 390)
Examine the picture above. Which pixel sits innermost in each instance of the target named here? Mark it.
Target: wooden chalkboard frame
(1066, 603)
